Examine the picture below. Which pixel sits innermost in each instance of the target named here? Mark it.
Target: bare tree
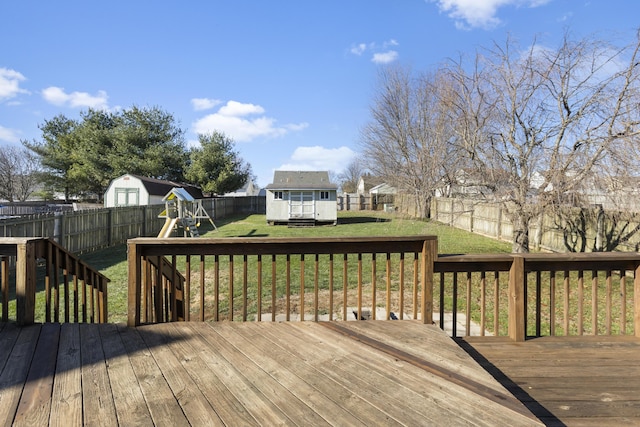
(569, 115)
(351, 175)
(18, 173)
(407, 140)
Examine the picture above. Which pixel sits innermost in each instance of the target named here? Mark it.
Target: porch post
(517, 299)
(135, 285)
(429, 254)
(25, 282)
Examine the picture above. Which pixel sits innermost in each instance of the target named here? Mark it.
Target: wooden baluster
(259, 290)
(273, 287)
(374, 286)
(401, 286)
(483, 302)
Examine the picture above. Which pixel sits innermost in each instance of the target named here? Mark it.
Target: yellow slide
(167, 228)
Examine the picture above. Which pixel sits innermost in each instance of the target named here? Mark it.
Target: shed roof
(159, 187)
(301, 180)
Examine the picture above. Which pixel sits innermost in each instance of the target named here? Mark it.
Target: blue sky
(291, 81)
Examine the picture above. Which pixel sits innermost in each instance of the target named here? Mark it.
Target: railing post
(135, 285)
(25, 283)
(516, 299)
(429, 254)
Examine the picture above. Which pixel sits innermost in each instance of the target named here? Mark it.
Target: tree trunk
(520, 233)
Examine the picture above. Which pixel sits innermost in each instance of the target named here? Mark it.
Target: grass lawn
(112, 262)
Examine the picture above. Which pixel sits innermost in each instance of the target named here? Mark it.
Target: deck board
(575, 380)
(232, 373)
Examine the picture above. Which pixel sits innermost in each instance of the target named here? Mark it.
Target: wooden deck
(573, 381)
(295, 373)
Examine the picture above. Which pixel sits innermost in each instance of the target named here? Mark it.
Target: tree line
(80, 157)
(531, 127)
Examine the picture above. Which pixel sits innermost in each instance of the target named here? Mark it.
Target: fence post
(517, 299)
(25, 283)
(429, 254)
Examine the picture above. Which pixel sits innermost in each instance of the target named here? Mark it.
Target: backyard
(112, 261)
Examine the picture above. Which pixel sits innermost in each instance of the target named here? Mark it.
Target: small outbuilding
(249, 189)
(301, 198)
(134, 190)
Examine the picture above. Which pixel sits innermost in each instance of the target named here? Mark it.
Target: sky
(290, 81)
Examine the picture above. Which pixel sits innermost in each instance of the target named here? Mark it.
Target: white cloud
(235, 108)
(319, 158)
(8, 135)
(380, 53)
(480, 13)
(57, 96)
(200, 104)
(243, 122)
(10, 83)
(358, 49)
(385, 57)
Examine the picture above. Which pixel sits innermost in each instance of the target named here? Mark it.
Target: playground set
(182, 211)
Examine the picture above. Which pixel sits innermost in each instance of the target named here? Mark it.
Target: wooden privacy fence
(91, 229)
(68, 289)
(241, 278)
(522, 295)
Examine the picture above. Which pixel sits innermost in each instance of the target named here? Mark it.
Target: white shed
(301, 197)
(134, 190)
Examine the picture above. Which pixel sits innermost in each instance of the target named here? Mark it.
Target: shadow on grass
(361, 219)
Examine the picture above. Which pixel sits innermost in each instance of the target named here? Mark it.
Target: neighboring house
(367, 182)
(382, 194)
(304, 197)
(133, 190)
(249, 189)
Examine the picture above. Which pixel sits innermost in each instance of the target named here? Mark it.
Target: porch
(231, 373)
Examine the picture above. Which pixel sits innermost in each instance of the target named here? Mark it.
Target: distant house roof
(159, 187)
(301, 180)
(367, 182)
(383, 188)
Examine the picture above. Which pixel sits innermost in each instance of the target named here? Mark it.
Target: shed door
(301, 204)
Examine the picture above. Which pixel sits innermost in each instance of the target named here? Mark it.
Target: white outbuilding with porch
(301, 198)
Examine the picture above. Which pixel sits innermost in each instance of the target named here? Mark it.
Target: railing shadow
(32, 356)
(518, 392)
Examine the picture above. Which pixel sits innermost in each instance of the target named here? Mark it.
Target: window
(277, 195)
(127, 197)
(324, 195)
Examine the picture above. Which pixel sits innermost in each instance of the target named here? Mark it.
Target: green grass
(112, 262)
(363, 223)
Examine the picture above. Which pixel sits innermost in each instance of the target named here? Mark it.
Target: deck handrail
(516, 295)
(73, 291)
(526, 296)
(153, 300)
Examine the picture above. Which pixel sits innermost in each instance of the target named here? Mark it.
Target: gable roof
(159, 187)
(301, 180)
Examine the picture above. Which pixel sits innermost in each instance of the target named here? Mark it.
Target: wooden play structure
(182, 211)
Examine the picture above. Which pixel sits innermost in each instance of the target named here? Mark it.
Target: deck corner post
(135, 285)
(429, 255)
(517, 299)
(26, 282)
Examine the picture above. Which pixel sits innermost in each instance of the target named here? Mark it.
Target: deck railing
(71, 290)
(522, 295)
(279, 278)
